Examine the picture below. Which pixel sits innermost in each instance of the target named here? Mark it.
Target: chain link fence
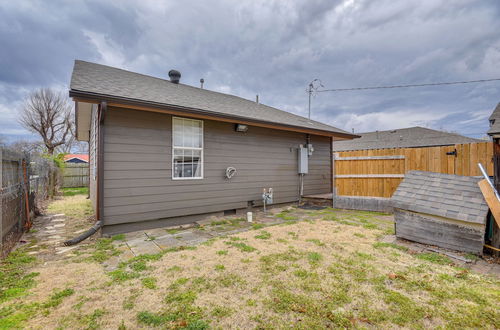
(25, 183)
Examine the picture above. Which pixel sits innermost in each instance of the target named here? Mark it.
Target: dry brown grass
(307, 275)
(310, 274)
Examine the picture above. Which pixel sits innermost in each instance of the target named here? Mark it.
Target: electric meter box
(303, 160)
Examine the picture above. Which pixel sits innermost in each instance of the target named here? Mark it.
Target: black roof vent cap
(175, 76)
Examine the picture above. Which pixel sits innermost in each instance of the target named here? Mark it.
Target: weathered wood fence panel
(75, 175)
(377, 173)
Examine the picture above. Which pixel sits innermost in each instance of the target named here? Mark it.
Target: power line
(406, 86)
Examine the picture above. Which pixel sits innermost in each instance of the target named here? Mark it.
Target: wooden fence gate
(75, 175)
(377, 173)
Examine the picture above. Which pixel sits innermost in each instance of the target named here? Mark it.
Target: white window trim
(190, 148)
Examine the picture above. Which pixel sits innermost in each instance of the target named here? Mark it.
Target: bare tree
(26, 146)
(48, 113)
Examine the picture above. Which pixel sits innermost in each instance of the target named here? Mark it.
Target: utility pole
(310, 90)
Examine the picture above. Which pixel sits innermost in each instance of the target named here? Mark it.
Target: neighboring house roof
(402, 138)
(83, 157)
(495, 121)
(445, 195)
(104, 82)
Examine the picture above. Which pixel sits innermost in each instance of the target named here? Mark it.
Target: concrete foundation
(377, 204)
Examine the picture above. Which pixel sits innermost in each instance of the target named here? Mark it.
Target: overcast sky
(274, 49)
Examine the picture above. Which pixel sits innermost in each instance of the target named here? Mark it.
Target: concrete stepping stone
(168, 241)
(138, 246)
(48, 232)
(61, 250)
(155, 232)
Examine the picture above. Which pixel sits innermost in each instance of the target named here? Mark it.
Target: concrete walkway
(156, 240)
(49, 231)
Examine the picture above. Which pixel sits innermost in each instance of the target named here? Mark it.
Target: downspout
(100, 180)
(332, 172)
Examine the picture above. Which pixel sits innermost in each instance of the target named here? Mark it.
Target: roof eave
(117, 101)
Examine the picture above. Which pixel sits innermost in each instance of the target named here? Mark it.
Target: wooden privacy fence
(377, 173)
(75, 175)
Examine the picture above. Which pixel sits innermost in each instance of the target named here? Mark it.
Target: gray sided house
(161, 151)
(441, 209)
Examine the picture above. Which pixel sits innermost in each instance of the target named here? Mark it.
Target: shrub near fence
(377, 173)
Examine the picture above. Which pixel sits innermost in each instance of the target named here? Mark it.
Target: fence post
(21, 188)
(334, 183)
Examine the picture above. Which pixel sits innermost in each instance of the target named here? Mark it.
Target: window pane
(178, 160)
(188, 137)
(177, 138)
(197, 143)
(196, 163)
(188, 163)
(177, 131)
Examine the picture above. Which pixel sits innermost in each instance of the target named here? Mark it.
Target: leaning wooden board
(491, 199)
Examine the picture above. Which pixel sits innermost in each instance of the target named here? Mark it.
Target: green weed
(315, 241)
(149, 282)
(263, 235)
(242, 246)
(257, 226)
(434, 258)
(314, 258)
(379, 245)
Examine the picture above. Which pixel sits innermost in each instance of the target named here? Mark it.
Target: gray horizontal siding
(137, 168)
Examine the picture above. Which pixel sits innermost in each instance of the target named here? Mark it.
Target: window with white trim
(187, 148)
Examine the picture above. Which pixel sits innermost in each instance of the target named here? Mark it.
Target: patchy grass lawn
(328, 270)
(73, 206)
(75, 191)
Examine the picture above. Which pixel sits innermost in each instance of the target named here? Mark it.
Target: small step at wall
(377, 204)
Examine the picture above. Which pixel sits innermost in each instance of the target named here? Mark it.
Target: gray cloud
(272, 48)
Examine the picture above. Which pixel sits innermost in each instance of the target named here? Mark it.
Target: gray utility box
(303, 160)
